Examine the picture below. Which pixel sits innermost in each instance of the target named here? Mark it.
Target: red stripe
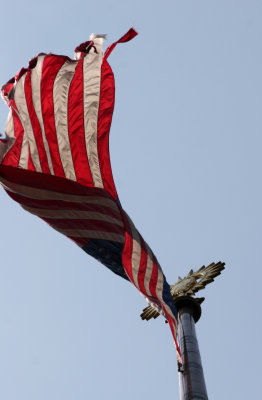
(35, 125)
(127, 256)
(127, 36)
(142, 268)
(171, 320)
(106, 108)
(30, 166)
(128, 249)
(126, 260)
(61, 205)
(76, 128)
(93, 225)
(49, 182)
(153, 280)
(50, 69)
(80, 241)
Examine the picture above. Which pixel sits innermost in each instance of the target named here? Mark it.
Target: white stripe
(136, 252)
(91, 234)
(136, 257)
(175, 330)
(10, 136)
(97, 35)
(24, 152)
(73, 214)
(149, 270)
(36, 76)
(159, 292)
(60, 95)
(92, 78)
(41, 194)
(159, 287)
(29, 137)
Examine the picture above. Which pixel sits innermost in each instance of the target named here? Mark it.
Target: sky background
(186, 157)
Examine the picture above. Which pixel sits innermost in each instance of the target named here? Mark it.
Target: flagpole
(191, 376)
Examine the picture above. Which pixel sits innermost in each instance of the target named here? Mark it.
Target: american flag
(54, 161)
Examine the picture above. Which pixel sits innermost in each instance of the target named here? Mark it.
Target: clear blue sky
(186, 157)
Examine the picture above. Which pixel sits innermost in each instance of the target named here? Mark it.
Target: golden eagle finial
(189, 285)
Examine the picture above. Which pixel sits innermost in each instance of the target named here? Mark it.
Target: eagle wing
(206, 275)
(203, 276)
(149, 312)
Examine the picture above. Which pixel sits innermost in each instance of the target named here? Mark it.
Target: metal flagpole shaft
(191, 377)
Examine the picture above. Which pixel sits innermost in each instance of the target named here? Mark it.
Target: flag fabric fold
(54, 161)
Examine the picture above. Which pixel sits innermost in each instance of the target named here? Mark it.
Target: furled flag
(54, 161)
